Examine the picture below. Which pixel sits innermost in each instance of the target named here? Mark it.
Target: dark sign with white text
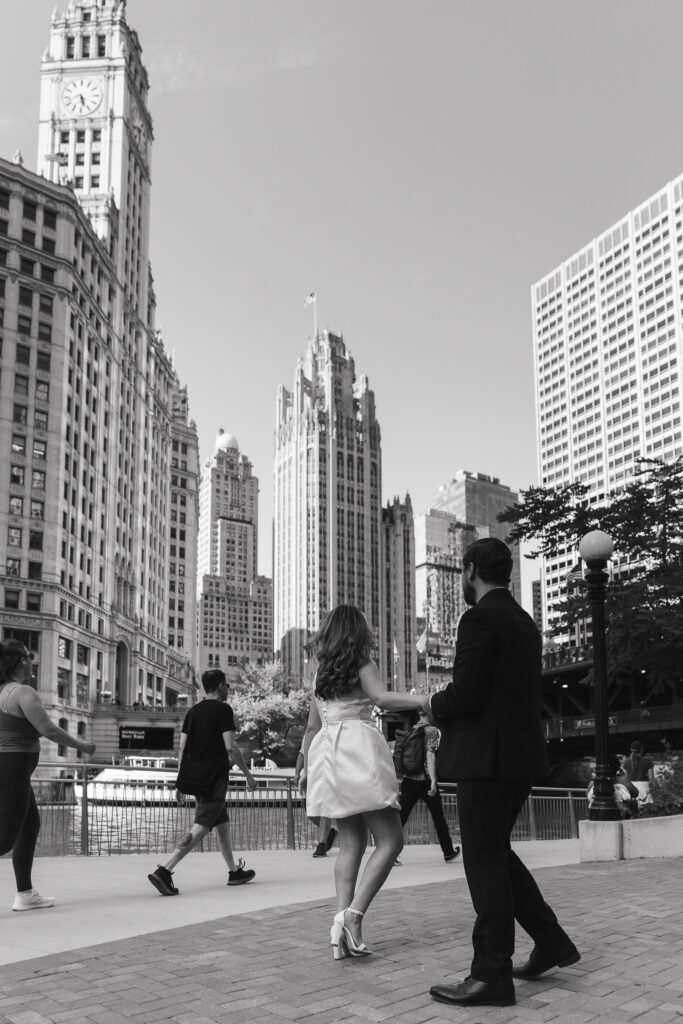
(143, 737)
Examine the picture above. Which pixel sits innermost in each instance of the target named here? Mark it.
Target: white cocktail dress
(350, 769)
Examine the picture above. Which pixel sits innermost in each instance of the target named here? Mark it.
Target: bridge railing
(150, 819)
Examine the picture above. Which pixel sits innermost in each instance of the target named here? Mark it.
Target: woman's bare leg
(352, 834)
(385, 826)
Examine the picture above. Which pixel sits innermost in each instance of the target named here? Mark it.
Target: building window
(14, 567)
(37, 509)
(18, 444)
(16, 476)
(38, 479)
(20, 414)
(24, 324)
(33, 602)
(23, 355)
(41, 419)
(42, 391)
(14, 536)
(44, 332)
(40, 449)
(20, 385)
(16, 506)
(12, 598)
(35, 570)
(35, 540)
(43, 362)
(70, 54)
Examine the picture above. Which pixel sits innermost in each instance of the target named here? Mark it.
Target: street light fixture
(595, 549)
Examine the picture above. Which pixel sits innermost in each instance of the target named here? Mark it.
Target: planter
(653, 837)
(631, 838)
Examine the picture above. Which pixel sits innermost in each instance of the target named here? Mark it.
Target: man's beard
(469, 593)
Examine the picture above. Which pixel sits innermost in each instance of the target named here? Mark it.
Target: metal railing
(144, 818)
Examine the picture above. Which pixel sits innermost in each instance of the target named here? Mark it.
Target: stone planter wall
(631, 838)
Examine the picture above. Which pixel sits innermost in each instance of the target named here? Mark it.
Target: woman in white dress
(348, 770)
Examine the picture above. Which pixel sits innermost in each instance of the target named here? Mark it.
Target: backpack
(409, 751)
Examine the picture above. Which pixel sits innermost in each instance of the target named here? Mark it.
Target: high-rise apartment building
(608, 337)
(462, 511)
(398, 559)
(327, 501)
(476, 499)
(92, 415)
(235, 604)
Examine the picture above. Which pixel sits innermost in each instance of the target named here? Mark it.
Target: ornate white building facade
(98, 528)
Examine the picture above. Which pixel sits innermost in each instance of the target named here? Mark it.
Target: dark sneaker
(320, 850)
(162, 879)
(332, 835)
(451, 856)
(240, 876)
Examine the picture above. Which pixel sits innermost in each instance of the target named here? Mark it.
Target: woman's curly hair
(342, 645)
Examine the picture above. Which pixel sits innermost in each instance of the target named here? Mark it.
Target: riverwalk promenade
(113, 951)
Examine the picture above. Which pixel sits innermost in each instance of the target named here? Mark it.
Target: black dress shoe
(541, 961)
(471, 992)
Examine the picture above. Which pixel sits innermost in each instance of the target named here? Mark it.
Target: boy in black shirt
(209, 733)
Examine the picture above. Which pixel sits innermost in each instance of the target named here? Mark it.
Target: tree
(645, 601)
(269, 708)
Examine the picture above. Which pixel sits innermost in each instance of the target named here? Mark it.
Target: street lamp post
(595, 549)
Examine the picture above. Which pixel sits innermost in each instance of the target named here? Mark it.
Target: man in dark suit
(492, 744)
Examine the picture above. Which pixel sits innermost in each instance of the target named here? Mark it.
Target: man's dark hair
(492, 560)
(212, 679)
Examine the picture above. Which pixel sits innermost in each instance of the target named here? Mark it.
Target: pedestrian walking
(421, 784)
(207, 746)
(492, 744)
(23, 720)
(348, 771)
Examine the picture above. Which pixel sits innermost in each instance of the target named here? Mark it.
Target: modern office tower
(90, 404)
(398, 555)
(235, 603)
(476, 499)
(327, 500)
(608, 342)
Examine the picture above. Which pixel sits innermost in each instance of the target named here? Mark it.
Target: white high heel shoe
(353, 948)
(337, 937)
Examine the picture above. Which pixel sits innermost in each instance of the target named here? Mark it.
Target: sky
(419, 164)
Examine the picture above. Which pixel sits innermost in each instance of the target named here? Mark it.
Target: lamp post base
(604, 806)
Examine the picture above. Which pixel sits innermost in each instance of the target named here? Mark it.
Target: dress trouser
(502, 888)
(413, 790)
(19, 817)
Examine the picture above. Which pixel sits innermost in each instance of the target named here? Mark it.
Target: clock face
(81, 96)
(138, 126)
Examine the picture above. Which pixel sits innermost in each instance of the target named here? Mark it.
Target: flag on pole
(422, 643)
(309, 299)
(575, 575)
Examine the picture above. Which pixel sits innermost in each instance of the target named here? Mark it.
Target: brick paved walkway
(276, 965)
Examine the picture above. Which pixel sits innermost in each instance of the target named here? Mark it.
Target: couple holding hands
(492, 744)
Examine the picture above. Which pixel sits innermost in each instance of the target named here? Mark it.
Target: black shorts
(211, 811)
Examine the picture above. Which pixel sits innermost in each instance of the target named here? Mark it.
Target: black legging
(19, 818)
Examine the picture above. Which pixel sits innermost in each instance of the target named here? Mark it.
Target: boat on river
(151, 780)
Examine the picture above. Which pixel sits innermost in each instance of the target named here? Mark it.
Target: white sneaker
(32, 900)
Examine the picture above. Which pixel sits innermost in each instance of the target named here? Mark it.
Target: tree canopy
(269, 708)
(644, 604)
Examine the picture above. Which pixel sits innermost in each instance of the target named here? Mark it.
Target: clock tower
(95, 131)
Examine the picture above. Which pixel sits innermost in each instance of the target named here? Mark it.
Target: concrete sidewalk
(260, 952)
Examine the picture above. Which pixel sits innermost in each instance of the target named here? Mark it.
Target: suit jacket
(490, 714)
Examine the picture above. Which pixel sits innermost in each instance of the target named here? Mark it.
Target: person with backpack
(639, 769)
(415, 763)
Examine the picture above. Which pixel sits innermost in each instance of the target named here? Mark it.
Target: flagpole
(315, 317)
